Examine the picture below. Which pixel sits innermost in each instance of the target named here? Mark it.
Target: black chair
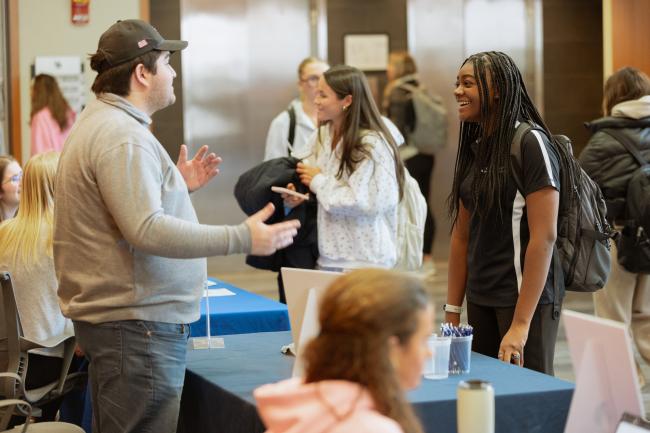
(14, 358)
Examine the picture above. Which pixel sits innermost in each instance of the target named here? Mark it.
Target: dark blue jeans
(136, 374)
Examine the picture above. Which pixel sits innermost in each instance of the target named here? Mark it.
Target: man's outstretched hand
(199, 170)
(268, 238)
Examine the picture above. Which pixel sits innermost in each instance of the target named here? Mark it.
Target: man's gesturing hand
(267, 239)
(199, 170)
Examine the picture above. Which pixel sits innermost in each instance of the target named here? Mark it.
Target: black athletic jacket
(253, 192)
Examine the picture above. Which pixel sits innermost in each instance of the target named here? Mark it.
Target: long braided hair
(504, 100)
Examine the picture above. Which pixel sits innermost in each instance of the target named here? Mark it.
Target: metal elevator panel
(239, 72)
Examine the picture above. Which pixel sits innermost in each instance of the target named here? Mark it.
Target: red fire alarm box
(80, 13)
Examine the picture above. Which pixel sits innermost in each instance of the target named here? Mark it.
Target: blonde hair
(308, 61)
(359, 313)
(21, 237)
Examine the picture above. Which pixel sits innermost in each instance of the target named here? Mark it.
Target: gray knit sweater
(127, 243)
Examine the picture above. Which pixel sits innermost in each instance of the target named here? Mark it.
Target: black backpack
(582, 249)
(633, 245)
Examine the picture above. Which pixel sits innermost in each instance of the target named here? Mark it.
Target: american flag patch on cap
(143, 43)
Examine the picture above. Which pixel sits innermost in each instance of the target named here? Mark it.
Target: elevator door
(239, 72)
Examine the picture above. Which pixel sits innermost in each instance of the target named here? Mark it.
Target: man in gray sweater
(129, 251)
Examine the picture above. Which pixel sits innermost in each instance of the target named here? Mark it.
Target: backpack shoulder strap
(408, 87)
(628, 143)
(515, 153)
(292, 126)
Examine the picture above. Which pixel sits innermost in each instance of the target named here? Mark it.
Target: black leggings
(491, 324)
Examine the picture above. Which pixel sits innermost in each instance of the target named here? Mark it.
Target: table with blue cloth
(219, 384)
(241, 313)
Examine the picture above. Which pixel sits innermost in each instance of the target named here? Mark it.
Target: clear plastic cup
(437, 366)
(460, 355)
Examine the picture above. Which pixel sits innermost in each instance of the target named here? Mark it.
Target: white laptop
(606, 379)
(297, 283)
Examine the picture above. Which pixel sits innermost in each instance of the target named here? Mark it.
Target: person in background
(11, 175)
(398, 107)
(626, 107)
(370, 349)
(26, 253)
(356, 173)
(51, 118)
(502, 238)
(301, 109)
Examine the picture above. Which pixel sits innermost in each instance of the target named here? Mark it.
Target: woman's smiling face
(467, 94)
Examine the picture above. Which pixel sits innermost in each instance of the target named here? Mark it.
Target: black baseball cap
(127, 39)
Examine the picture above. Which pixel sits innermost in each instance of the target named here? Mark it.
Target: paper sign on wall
(366, 52)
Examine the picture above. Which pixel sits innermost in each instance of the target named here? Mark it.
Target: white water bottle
(475, 407)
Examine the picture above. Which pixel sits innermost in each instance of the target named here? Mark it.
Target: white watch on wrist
(452, 308)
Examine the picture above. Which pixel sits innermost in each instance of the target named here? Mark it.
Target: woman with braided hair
(503, 237)
(370, 349)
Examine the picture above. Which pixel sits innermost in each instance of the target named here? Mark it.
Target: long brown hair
(46, 94)
(626, 84)
(358, 315)
(402, 63)
(361, 114)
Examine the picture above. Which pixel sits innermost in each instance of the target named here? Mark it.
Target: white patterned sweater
(357, 214)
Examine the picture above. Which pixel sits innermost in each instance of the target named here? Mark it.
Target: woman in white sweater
(356, 174)
(26, 252)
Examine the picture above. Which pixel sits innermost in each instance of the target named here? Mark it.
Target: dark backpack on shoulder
(633, 245)
(582, 249)
(292, 127)
(430, 130)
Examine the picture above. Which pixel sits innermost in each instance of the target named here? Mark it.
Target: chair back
(17, 357)
(11, 358)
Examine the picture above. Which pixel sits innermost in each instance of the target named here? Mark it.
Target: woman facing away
(356, 174)
(304, 109)
(626, 107)
(26, 252)
(11, 175)
(370, 349)
(502, 238)
(51, 117)
(398, 106)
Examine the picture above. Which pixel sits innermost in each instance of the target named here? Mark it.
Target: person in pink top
(371, 349)
(51, 117)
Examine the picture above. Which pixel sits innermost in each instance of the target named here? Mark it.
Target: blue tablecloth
(241, 313)
(219, 385)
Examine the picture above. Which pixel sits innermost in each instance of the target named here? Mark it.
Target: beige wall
(45, 30)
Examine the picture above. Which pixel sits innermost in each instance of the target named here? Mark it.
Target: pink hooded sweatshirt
(46, 133)
(332, 406)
